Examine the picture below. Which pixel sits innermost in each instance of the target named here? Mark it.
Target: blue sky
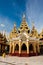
(11, 11)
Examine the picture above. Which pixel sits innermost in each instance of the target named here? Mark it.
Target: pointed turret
(41, 34)
(14, 32)
(5, 39)
(24, 26)
(34, 32)
(14, 29)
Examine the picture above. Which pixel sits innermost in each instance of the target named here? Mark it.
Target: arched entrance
(36, 49)
(30, 49)
(41, 46)
(11, 49)
(23, 50)
(41, 49)
(16, 49)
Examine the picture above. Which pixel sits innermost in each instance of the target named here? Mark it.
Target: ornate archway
(16, 48)
(23, 48)
(11, 48)
(31, 48)
(36, 49)
(41, 49)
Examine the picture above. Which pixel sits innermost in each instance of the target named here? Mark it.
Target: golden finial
(33, 26)
(32, 23)
(24, 16)
(14, 25)
(42, 30)
(4, 32)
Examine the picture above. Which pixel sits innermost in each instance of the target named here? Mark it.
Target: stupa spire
(24, 16)
(33, 26)
(41, 34)
(14, 25)
(24, 25)
(42, 30)
(32, 23)
(14, 32)
(34, 32)
(14, 29)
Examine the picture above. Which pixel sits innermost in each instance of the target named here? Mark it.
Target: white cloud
(5, 24)
(2, 25)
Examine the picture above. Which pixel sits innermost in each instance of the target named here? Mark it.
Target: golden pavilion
(23, 41)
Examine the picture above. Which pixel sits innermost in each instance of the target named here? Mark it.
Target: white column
(13, 48)
(27, 46)
(19, 46)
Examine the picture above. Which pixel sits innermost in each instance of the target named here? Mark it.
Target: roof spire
(23, 16)
(14, 25)
(42, 30)
(33, 25)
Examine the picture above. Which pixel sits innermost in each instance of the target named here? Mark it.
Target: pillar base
(20, 55)
(38, 53)
(32, 54)
(24, 54)
(10, 54)
(15, 54)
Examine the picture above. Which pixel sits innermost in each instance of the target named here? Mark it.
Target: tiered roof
(3, 39)
(25, 30)
(34, 32)
(24, 26)
(14, 32)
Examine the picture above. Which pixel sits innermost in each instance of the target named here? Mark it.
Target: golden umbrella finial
(42, 30)
(24, 16)
(14, 25)
(32, 23)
